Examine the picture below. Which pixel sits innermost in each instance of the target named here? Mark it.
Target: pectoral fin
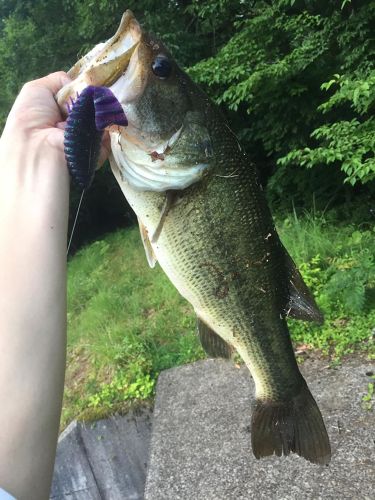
(301, 303)
(150, 255)
(212, 343)
(170, 197)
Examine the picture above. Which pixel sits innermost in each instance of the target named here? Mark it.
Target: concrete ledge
(200, 446)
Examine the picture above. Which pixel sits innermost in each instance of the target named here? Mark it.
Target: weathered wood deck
(105, 460)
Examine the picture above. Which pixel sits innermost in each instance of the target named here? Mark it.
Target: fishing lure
(94, 109)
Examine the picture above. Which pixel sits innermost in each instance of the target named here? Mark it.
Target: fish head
(159, 101)
(153, 94)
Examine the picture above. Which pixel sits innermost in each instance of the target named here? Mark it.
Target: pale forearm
(34, 195)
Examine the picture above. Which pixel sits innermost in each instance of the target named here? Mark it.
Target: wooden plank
(73, 477)
(117, 449)
(105, 460)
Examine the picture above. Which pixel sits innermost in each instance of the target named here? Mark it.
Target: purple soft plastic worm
(108, 111)
(93, 110)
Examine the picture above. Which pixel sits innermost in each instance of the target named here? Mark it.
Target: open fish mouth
(89, 103)
(104, 64)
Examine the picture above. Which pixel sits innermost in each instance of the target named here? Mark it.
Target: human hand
(35, 126)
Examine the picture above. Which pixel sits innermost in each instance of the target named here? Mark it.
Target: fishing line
(75, 221)
(79, 204)
(93, 110)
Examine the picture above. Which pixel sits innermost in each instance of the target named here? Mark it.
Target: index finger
(53, 81)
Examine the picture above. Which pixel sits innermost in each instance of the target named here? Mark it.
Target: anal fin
(212, 343)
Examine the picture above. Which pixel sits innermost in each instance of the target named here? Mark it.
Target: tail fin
(281, 427)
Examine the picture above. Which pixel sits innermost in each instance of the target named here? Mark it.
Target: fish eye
(161, 66)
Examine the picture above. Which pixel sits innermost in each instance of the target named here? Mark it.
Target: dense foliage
(303, 72)
(296, 77)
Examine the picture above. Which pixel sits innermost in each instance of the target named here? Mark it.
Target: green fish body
(203, 216)
(219, 247)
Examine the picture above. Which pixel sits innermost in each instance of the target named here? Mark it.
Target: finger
(61, 125)
(53, 81)
(105, 149)
(55, 138)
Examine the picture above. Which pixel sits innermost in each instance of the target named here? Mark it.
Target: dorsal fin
(150, 255)
(301, 303)
(212, 343)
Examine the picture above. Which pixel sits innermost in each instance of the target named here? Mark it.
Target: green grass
(126, 322)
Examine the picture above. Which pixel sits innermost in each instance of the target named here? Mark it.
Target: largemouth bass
(203, 216)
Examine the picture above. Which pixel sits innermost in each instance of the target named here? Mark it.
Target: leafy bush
(353, 276)
(349, 142)
(298, 73)
(337, 263)
(303, 73)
